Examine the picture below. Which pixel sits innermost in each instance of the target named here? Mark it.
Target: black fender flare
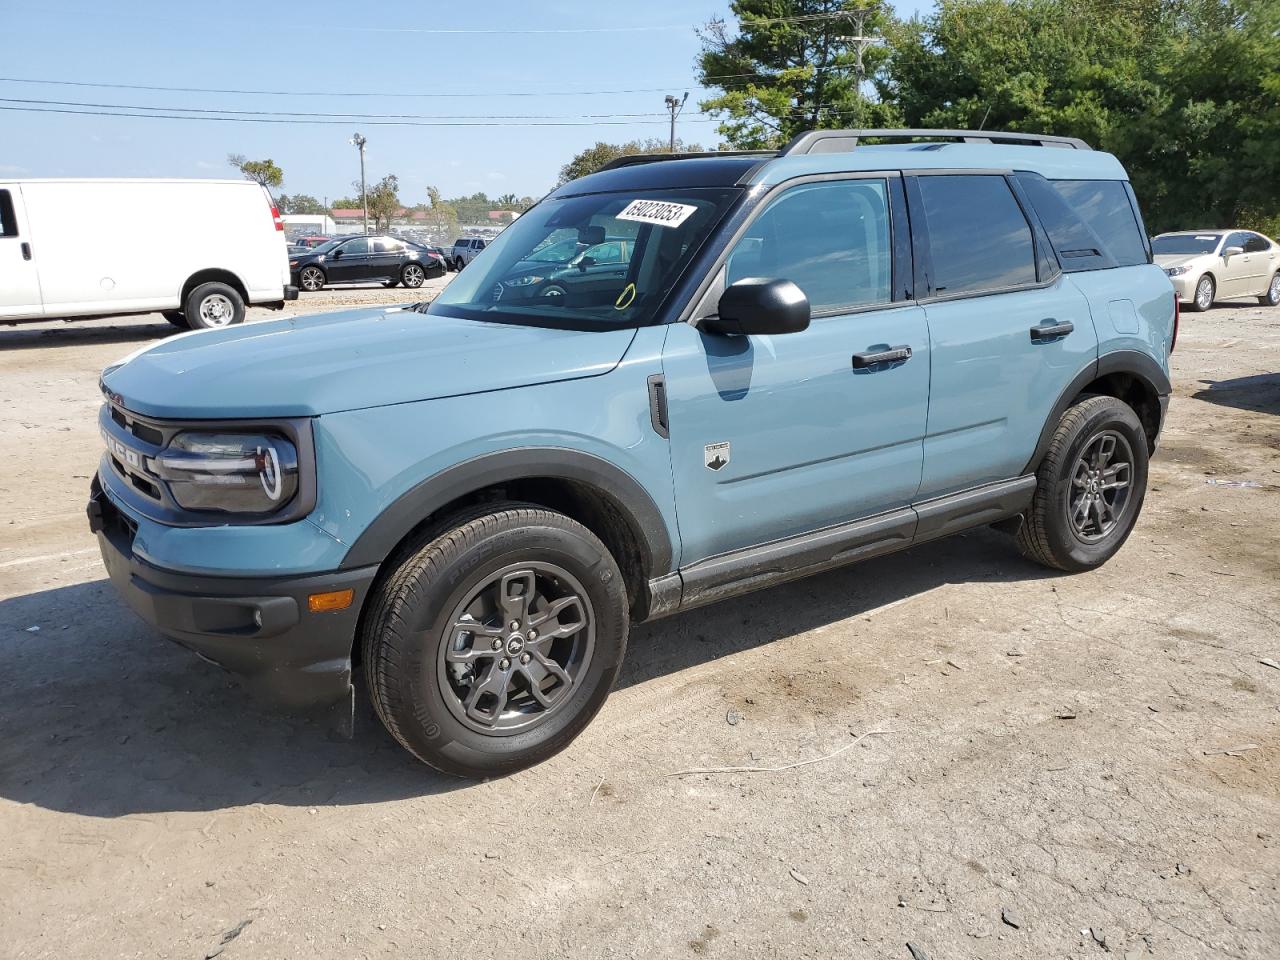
(1133, 362)
(428, 496)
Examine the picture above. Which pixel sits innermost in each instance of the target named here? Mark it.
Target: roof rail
(840, 141)
(632, 159)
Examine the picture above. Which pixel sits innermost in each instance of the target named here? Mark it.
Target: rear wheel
(213, 305)
(413, 276)
(495, 640)
(176, 317)
(1091, 485)
(1202, 299)
(1272, 297)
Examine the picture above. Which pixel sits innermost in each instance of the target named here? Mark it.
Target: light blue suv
(808, 357)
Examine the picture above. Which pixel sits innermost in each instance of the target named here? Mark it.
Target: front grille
(132, 447)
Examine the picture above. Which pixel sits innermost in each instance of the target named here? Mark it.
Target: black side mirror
(586, 262)
(758, 305)
(337, 253)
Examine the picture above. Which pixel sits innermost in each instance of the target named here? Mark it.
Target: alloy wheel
(311, 279)
(519, 643)
(413, 276)
(1204, 293)
(1273, 291)
(1101, 484)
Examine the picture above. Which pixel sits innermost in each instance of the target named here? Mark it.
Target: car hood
(1167, 260)
(307, 366)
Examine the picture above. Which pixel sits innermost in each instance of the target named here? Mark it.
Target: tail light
(275, 215)
(1177, 316)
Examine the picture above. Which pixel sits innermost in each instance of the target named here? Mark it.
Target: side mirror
(337, 253)
(586, 262)
(758, 305)
(1230, 252)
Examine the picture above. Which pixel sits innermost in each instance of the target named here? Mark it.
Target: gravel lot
(1096, 756)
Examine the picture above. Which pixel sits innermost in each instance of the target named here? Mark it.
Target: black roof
(662, 174)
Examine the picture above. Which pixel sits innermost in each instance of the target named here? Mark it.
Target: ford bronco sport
(810, 357)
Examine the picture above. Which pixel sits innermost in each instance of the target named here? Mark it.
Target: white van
(195, 250)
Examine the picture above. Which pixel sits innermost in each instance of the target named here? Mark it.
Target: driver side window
(830, 239)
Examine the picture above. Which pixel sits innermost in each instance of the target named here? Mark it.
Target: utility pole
(674, 107)
(861, 40)
(358, 142)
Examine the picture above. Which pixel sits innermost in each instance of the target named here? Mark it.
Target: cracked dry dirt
(1096, 755)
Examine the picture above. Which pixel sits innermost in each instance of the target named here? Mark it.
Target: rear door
(19, 283)
(1008, 331)
(385, 258)
(350, 262)
(1260, 260)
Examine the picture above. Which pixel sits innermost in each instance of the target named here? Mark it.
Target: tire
(553, 291)
(177, 318)
(1203, 296)
(412, 275)
(1051, 533)
(458, 265)
(458, 573)
(1272, 297)
(312, 279)
(212, 306)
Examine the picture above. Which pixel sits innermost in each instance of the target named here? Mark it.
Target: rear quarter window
(8, 219)
(1078, 246)
(1105, 206)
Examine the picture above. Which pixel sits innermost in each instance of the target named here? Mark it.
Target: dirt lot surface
(1095, 756)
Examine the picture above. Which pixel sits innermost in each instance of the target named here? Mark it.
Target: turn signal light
(333, 600)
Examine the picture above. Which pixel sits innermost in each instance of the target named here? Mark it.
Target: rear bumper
(260, 629)
(290, 292)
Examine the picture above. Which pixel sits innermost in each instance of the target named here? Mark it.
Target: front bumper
(260, 629)
(1185, 286)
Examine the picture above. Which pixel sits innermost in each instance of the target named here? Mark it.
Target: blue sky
(326, 48)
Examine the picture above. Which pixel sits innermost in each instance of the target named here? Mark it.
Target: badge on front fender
(716, 455)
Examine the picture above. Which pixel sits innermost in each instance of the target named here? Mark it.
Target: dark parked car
(363, 260)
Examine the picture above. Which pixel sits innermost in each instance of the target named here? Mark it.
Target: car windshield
(1185, 243)
(651, 236)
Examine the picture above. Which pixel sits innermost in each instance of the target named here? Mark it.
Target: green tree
(348, 203)
(598, 154)
(300, 203)
(1184, 92)
(384, 201)
(444, 215)
(264, 172)
(786, 67)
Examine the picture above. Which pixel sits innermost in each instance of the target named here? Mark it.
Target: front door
(19, 282)
(773, 436)
(350, 262)
(1008, 331)
(386, 258)
(1234, 274)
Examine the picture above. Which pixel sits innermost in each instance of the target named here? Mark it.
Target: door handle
(26, 251)
(1051, 330)
(892, 355)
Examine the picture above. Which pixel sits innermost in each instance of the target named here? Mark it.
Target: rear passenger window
(978, 237)
(1104, 206)
(1078, 247)
(8, 219)
(829, 239)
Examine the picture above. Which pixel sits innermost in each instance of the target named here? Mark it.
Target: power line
(318, 122)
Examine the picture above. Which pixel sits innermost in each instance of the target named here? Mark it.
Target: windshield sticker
(1206, 238)
(658, 212)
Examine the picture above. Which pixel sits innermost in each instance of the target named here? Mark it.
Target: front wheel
(1272, 297)
(213, 305)
(1206, 290)
(1090, 488)
(495, 640)
(312, 278)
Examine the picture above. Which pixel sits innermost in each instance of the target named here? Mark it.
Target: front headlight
(523, 281)
(1177, 271)
(230, 472)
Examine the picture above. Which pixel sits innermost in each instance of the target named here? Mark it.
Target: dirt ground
(1095, 757)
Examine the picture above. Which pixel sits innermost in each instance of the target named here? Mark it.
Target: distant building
(301, 224)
